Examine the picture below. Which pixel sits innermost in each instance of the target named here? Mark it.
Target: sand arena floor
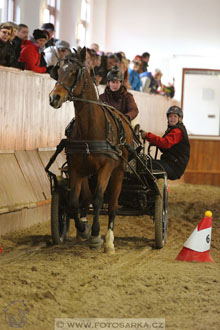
(41, 282)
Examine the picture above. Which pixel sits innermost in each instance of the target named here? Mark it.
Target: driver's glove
(143, 134)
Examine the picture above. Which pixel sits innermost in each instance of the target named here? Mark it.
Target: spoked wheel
(160, 214)
(60, 221)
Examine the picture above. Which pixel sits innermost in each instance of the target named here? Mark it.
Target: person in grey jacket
(54, 54)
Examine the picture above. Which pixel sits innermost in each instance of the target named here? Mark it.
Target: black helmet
(115, 74)
(175, 109)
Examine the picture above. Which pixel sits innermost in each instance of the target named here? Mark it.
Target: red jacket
(31, 57)
(173, 137)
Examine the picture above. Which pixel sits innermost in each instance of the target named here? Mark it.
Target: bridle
(79, 76)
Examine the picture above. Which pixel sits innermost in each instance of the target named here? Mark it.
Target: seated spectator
(134, 78)
(31, 52)
(145, 61)
(54, 54)
(21, 35)
(151, 82)
(49, 27)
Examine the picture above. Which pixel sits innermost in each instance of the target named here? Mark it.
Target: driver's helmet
(175, 109)
(115, 74)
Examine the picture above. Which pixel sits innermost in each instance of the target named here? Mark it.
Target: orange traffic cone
(197, 246)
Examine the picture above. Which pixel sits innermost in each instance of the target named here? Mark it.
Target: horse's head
(70, 79)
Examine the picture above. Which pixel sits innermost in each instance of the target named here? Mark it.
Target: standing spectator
(116, 94)
(145, 59)
(6, 57)
(95, 47)
(54, 54)
(21, 35)
(49, 27)
(134, 78)
(31, 52)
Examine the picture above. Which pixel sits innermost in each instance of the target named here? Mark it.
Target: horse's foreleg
(102, 182)
(114, 192)
(83, 228)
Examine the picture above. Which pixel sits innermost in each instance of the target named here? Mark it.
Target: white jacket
(51, 55)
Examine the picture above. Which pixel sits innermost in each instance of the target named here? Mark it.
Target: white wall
(177, 33)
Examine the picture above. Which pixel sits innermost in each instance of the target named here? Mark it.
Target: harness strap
(88, 147)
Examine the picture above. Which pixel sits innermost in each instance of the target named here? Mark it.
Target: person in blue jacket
(134, 78)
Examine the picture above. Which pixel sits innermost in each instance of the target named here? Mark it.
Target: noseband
(79, 76)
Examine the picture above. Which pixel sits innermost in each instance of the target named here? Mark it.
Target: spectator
(123, 65)
(174, 145)
(21, 35)
(95, 47)
(116, 94)
(54, 54)
(14, 30)
(6, 57)
(107, 62)
(138, 59)
(151, 82)
(49, 27)
(145, 59)
(134, 78)
(31, 52)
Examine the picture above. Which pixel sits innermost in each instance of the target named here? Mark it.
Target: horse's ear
(83, 54)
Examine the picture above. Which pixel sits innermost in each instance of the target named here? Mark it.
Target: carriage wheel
(160, 214)
(60, 221)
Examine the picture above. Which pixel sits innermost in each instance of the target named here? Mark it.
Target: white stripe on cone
(199, 240)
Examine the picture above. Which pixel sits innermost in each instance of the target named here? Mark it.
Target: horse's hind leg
(86, 197)
(114, 192)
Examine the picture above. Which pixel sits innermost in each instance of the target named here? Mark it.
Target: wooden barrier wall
(204, 163)
(29, 129)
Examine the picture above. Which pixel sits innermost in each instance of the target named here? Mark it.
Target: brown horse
(98, 144)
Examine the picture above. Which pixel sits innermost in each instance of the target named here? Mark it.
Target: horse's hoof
(109, 250)
(95, 242)
(84, 235)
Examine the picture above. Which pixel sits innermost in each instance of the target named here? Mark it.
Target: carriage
(106, 165)
(144, 192)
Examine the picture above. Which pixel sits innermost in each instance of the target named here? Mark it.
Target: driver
(174, 145)
(116, 94)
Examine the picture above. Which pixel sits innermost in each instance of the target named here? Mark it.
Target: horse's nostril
(54, 98)
(57, 97)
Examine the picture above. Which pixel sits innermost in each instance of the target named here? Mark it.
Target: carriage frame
(144, 192)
